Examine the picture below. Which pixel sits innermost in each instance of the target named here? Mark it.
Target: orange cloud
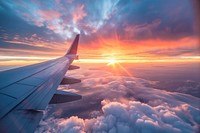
(103, 49)
(146, 50)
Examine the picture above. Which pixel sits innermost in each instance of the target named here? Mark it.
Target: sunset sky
(139, 65)
(121, 30)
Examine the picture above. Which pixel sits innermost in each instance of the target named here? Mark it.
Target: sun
(112, 62)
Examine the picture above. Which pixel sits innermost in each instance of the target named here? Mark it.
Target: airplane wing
(25, 92)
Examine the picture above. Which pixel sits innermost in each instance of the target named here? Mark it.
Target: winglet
(74, 46)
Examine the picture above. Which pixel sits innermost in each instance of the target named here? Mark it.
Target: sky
(140, 96)
(126, 31)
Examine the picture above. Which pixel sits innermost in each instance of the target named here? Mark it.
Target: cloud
(142, 29)
(25, 46)
(72, 125)
(172, 23)
(42, 18)
(23, 31)
(79, 13)
(179, 51)
(48, 15)
(128, 104)
(114, 14)
(131, 117)
(138, 24)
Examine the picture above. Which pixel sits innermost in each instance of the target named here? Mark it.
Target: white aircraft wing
(25, 92)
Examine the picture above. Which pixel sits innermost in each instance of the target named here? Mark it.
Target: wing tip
(73, 48)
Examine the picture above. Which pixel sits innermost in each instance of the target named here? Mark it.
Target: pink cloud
(49, 14)
(79, 13)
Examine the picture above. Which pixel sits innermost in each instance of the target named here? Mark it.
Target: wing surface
(25, 92)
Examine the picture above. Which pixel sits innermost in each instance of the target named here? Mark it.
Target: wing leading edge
(25, 92)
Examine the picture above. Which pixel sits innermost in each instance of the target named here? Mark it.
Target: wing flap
(23, 121)
(14, 94)
(17, 90)
(5, 101)
(33, 81)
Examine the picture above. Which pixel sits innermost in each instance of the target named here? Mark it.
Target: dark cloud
(11, 25)
(175, 51)
(10, 45)
(95, 15)
(172, 24)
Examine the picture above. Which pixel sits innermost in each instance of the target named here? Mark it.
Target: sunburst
(112, 61)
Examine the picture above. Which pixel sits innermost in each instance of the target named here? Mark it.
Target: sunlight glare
(112, 62)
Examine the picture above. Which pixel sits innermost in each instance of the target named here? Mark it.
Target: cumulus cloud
(133, 116)
(128, 105)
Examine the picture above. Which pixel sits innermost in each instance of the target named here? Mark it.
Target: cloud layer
(133, 116)
(127, 104)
